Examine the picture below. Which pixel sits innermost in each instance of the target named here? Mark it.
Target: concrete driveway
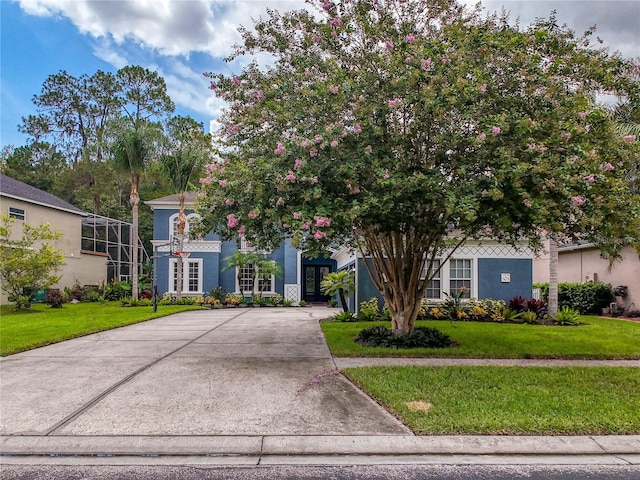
(261, 371)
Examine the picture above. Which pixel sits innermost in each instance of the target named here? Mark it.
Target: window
(191, 275)
(459, 276)
(193, 219)
(16, 213)
(434, 287)
(251, 283)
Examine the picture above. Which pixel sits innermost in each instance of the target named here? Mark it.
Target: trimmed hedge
(587, 298)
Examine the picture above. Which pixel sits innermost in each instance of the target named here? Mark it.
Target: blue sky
(181, 39)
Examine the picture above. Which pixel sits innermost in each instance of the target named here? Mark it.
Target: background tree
(187, 149)
(27, 261)
(266, 269)
(405, 128)
(343, 283)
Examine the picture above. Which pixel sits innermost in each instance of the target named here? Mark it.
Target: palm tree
(343, 283)
(241, 260)
(187, 150)
(267, 269)
(130, 154)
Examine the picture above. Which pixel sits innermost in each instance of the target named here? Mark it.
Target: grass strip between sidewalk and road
(600, 338)
(507, 400)
(42, 325)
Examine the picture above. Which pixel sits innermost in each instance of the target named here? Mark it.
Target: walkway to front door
(313, 275)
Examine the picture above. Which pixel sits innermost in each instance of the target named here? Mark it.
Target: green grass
(507, 400)
(42, 325)
(601, 338)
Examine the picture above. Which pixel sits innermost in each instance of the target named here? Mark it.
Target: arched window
(192, 220)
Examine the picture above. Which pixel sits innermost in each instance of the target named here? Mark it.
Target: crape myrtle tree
(405, 128)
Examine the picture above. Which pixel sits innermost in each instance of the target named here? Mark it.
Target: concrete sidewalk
(224, 386)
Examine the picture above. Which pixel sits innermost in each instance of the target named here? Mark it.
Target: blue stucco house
(487, 269)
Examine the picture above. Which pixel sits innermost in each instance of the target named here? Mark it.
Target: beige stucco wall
(580, 265)
(87, 269)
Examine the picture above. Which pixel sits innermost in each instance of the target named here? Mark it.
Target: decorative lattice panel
(292, 292)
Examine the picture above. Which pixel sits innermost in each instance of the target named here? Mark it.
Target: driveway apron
(260, 371)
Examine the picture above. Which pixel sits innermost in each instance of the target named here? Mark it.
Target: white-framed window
(17, 213)
(434, 287)
(191, 275)
(460, 275)
(254, 284)
(192, 220)
(457, 272)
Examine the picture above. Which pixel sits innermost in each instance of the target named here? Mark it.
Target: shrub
(568, 316)
(55, 298)
(302, 303)
(345, 317)
(587, 298)
(167, 299)
(93, 296)
(528, 316)
(369, 310)
(520, 304)
(218, 293)
(185, 301)
(116, 290)
(288, 303)
(420, 337)
(232, 299)
(276, 299)
(453, 305)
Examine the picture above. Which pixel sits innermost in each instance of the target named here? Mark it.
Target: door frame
(317, 294)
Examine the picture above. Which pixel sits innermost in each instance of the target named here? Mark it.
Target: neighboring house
(487, 269)
(91, 244)
(580, 263)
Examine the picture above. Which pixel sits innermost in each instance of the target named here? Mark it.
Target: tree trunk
(553, 278)
(182, 223)
(135, 200)
(343, 299)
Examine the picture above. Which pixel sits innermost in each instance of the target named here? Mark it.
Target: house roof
(172, 201)
(12, 188)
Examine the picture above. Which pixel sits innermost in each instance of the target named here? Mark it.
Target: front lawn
(42, 325)
(507, 400)
(600, 338)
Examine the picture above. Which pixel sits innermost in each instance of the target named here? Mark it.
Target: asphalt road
(378, 472)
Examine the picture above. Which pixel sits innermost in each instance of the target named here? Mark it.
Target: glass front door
(313, 275)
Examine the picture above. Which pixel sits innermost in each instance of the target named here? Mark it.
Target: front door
(313, 275)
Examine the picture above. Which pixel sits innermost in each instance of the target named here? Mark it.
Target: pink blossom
(291, 177)
(318, 138)
(385, 174)
(582, 115)
(297, 164)
(313, 152)
(495, 130)
(253, 214)
(326, 5)
(241, 231)
(260, 95)
(280, 149)
(318, 235)
(482, 137)
(322, 221)
(357, 129)
(394, 103)
(228, 202)
(484, 192)
(251, 159)
(607, 167)
(344, 134)
(236, 81)
(426, 63)
(307, 225)
(313, 179)
(410, 38)
(305, 143)
(483, 88)
(334, 143)
(297, 215)
(629, 138)
(408, 60)
(565, 136)
(315, 38)
(526, 202)
(285, 225)
(334, 88)
(223, 183)
(591, 178)
(232, 221)
(280, 201)
(577, 201)
(213, 86)
(388, 45)
(335, 22)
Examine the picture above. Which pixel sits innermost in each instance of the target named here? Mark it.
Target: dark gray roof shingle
(11, 187)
